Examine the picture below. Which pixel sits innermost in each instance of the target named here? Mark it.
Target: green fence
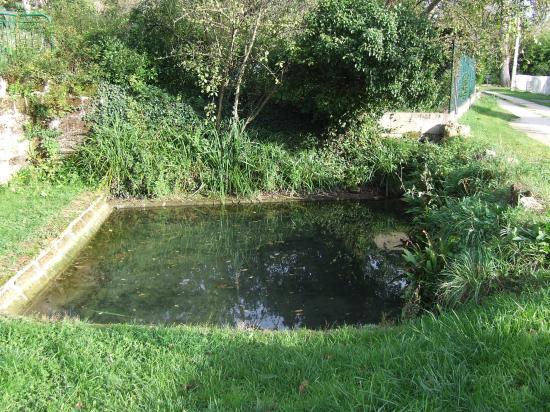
(463, 81)
(29, 31)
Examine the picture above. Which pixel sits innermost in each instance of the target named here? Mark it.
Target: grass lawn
(489, 124)
(543, 99)
(494, 356)
(32, 212)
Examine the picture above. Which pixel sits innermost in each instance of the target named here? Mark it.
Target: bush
(359, 56)
(151, 108)
(122, 65)
(467, 241)
(86, 48)
(536, 57)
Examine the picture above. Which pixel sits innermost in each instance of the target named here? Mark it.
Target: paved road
(533, 118)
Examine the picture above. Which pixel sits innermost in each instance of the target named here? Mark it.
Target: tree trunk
(431, 6)
(506, 58)
(505, 80)
(220, 104)
(516, 54)
(244, 66)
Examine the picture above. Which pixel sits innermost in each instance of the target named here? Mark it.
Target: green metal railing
(30, 31)
(463, 81)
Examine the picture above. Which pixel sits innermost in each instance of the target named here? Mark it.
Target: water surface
(279, 266)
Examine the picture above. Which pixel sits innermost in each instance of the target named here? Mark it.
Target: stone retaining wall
(14, 146)
(18, 291)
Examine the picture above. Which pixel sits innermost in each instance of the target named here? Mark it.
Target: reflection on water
(268, 266)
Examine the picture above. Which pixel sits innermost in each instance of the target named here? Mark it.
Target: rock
(391, 240)
(14, 146)
(3, 88)
(453, 129)
(490, 154)
(54, 124)
(530, 203)
(517, 192)
(73, 130)
(72, 127)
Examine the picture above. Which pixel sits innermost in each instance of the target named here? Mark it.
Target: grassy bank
(490, 125)
(495, 357)
(34, 210)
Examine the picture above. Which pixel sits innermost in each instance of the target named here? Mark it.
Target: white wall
(533, 84)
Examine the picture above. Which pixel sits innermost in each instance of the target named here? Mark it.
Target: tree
(480, 25)
(234, 50)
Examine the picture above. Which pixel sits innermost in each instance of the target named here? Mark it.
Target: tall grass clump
(470, 276)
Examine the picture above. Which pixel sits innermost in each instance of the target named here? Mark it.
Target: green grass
(32, 211)
(543, 99)
(495, 357)
(490, 124)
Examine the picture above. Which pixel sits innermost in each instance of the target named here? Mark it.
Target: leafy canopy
(359, 55)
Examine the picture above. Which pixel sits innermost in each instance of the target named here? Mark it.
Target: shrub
(151, 108)
(467, 241)
(536, 57)
(359, 56)
(153, 144)
(123, 66)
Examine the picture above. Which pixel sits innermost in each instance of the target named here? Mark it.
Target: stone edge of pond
(26, 284)
(122, 204)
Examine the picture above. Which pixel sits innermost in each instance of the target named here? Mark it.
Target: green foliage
(234, 52)
(151, 108)
(151, 144)
(77, 28)
(536, 56)
(360, 56)
(44, 153)
(470, 276)
(122, 65)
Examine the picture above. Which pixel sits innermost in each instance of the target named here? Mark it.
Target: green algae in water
(281, 266)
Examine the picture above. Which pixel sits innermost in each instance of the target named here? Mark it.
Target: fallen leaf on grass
(303, 387)
(79, 405)
(190, 386)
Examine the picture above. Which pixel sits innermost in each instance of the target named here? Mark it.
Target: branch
(431, 7)
(248, 50)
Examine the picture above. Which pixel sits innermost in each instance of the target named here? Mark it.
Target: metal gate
(29, 31)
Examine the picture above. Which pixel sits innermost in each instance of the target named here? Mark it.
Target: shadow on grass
(507, 117)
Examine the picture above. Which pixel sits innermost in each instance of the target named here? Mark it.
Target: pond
(269, 266)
